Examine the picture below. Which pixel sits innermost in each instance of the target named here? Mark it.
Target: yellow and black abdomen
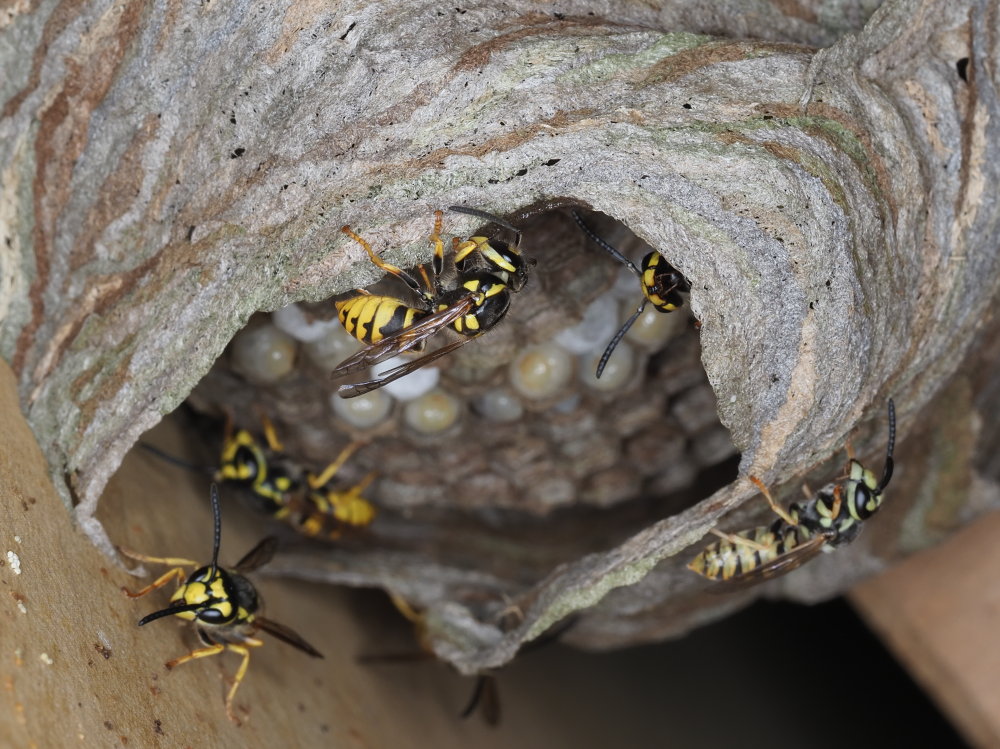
(328, 512)
(724, 560)
(370, 318)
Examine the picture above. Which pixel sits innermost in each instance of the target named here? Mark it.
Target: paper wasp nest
(830, 209)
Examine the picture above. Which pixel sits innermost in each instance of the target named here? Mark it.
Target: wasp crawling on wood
(488, 271)
(221, 603)
(661, 283)
(829, 519)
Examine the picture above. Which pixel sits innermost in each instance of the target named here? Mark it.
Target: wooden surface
(75, 670)
(939, 612)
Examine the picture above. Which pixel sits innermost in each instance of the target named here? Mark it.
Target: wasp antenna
(617, 339)
(604, 245)
(217, 538)
(173, 460)
(170, 611)
(489, 217)
(887, 471)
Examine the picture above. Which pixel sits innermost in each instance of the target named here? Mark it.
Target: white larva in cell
(541, 371)
(263, 354)
(599, 323)
(365, 411)
(617, 372)
(413, 385)
(300, 326)
(432, 413)
(499, 404)
(335, 346)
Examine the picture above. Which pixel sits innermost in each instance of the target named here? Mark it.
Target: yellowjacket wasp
(311, 504)
(222, 604)
(661, 283)
(829, 519)
(390, 326)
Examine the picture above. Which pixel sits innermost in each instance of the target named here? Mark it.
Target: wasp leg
(735, 538)
(780, 511)
(404, 607)
(511, 611)
(427, 279)
(355, 491)
(244, 650)
(271, 434)
(399, 273)
(438, 263)
(163, 579)
(213, 649)
(315, 482)
(837, 500)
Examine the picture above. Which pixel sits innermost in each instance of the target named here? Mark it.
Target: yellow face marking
(495, 257)
(201, 591)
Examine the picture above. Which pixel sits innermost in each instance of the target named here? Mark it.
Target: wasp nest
(830, 208)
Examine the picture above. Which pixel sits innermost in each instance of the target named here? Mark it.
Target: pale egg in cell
(617, 372)
(598, 326)
(263, 353)
(652, 329)
(365, 411)
(416, 383)
(499, 404)
(432, 413)
(301, 326)
(332, 348)
(541, 371)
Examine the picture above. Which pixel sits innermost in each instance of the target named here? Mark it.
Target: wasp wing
(403, 340)
(258, 556)
(780, 565)
(359, 388)
(285, 634)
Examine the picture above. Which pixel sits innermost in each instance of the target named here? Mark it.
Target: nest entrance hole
(507, 463)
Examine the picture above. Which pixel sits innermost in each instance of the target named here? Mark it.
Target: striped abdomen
(328, 512)
(370, 318)
(724, 560)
